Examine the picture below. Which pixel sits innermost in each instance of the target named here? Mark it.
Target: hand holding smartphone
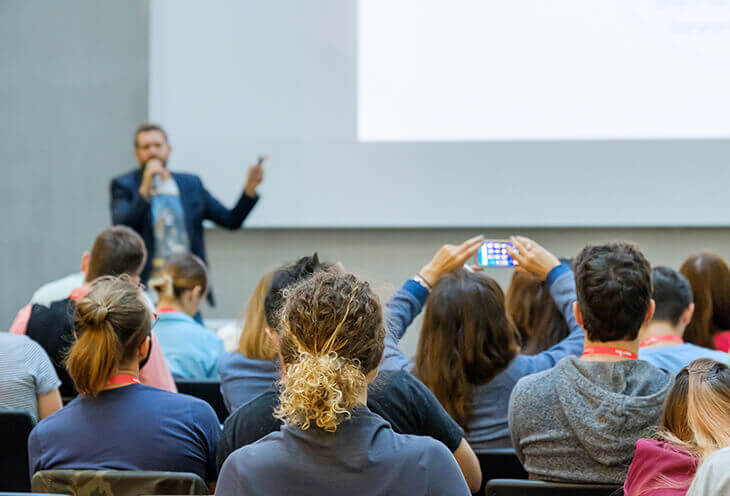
(493, 253)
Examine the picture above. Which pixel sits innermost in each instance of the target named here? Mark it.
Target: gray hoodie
(580, 420)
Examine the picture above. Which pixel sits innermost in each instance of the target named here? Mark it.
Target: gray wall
(388, 257)
(73, 86)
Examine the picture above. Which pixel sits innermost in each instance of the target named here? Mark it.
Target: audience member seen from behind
(401, 399)
(662, 342)
(694, 425)
(709, 276)
(28, 381)
(191, 350)
(117, 250)
(331, 344)
(252, 368)
(468, 351)
(247, 374)
(592, 410)
(116, 423)
(531, 308)
(713, 477)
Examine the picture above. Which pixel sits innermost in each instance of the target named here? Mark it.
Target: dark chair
(116, 483)
(15, 427)
(499, 463)
(208, 391)
(514, 487)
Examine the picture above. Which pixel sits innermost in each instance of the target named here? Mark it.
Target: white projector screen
(435, 70)
(395, 114)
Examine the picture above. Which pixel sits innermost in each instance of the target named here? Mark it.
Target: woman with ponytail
(694, 426)
(331, 340)
(117, 423)
(191, 350)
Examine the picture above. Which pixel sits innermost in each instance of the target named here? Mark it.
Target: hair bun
(97, 314)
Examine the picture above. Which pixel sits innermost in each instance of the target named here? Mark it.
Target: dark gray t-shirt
(363, 457)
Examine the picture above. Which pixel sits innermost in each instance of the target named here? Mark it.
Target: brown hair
(179, 274)
(709, 276)
(614, 288)
(254, 342)
(144, 128)
(695, 415)
(466, 340)
(111, 322)
(117, 250)
(533, 311)
(332, 337)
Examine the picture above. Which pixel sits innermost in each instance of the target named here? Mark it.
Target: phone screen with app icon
(493, 253)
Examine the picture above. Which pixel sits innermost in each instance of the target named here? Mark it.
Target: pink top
(658, 458)
(155, 373)
(722, 341)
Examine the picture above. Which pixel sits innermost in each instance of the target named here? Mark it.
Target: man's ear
(85, 259)
(274, 337)
(650, 312)
(577, 313)
(686, 316)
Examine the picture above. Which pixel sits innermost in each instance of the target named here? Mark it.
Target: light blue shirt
(675, 358)
(191, 350)
(243, 378)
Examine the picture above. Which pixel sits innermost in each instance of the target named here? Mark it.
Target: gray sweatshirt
(579, 421)
(712, 478)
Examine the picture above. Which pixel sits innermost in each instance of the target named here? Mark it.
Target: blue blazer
(131, 209)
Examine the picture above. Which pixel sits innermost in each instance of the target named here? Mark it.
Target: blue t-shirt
(675, 358)
(363, 457)
(243, 378)
(191, 350)
(134, 427)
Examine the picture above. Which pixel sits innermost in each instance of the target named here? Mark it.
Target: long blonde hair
(332, 338)
(111, 323)
(254, 342)
(695, 415)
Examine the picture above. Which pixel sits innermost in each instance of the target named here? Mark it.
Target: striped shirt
(25, 373)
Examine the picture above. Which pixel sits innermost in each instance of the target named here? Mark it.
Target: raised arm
(407, 302)
(233, 218)
(545, 266)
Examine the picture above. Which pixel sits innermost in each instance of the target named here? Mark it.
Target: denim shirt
(488, 427)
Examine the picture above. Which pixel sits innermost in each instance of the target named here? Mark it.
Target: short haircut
(613, 283)
(116, 251)
(672, 294)
(282, 279)
(148, 127)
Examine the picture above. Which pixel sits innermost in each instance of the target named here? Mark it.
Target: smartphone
(493, 253)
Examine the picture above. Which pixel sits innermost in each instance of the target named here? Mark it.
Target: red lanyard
(118, 380)
(663, 337)
(610, 350)
(167, 310)
(78, 293)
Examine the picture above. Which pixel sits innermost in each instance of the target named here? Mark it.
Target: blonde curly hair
(332, 337)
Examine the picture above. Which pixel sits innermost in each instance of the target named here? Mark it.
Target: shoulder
(187, 178)
(126, 178)
(539, 382)
(261, 405)
(423, 450)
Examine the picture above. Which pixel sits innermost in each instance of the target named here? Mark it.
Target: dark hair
(116, 251)
(672, 294)
(332, 337)
(466, 340)
(709, 276)
(111, 322)
(180, 273)
(145, 128)
(283, 278)
(613, 283)
(532, 309)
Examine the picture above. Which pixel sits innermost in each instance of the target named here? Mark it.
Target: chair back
(15, 427)
(116, 482)
(499, 463)
(515, 487)
(208, 391)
